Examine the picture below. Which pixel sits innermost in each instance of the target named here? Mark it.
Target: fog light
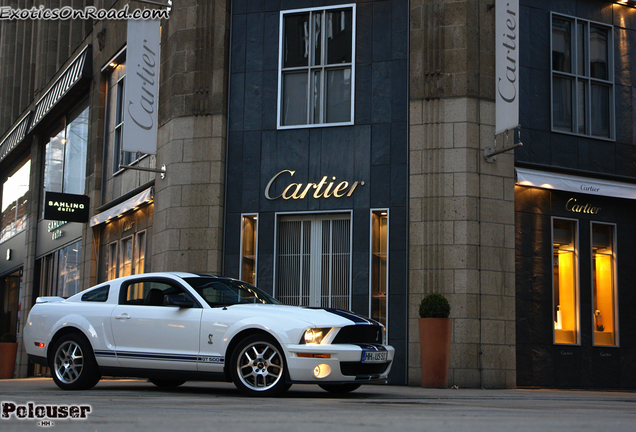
(322, 371)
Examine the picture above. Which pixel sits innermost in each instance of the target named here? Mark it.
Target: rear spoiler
(48, 299)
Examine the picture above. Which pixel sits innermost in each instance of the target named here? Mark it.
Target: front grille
(359, 334)
(358, 368)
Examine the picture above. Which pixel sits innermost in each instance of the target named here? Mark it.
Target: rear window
(97, 295)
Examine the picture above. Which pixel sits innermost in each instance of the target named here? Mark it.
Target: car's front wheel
(258, 367)
(73, 364)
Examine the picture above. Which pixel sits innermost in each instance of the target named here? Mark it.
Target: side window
(97, 295)
(149, 293)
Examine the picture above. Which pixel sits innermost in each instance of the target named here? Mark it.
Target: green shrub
(8, 337)
(434, 306)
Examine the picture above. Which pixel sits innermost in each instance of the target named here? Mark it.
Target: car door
(150, 335)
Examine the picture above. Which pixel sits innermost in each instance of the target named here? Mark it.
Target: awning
(128, 205)
(572, 183)
(16, 136)
(80, 68)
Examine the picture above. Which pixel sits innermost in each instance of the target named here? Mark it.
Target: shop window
(140, 252)
(10, 289)
(582, 77)
(65, 154)
(126, 257)
(248, 249)
(379, 256)
(14, 201)
(112, 261)
(565, 282)
(316, 67)
(60, 272)
(604, 284)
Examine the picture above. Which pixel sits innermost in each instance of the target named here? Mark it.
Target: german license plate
(375, 356)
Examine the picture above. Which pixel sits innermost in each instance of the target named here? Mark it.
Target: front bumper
(344, 364)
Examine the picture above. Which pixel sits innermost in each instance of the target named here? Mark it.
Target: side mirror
(177, 300)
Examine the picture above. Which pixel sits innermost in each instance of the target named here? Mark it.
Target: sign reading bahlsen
(44, 414)
(66, 207)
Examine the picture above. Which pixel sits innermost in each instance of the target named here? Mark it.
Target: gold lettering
(319, 186)
(293, 195)
(573, 207)
(340, 188)
(322, 189)
(327, 194)
(354, 186)
(269, 185)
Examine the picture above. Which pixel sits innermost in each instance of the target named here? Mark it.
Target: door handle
(122, 317)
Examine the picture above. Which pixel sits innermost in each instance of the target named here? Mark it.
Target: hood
(319, 317)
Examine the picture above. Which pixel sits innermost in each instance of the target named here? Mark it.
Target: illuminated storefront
(574, 273)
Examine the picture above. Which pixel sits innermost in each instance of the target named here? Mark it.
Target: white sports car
(174, 327)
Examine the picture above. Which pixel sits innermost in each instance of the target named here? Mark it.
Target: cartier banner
(66, 207)
(507, 64)
(142, 86)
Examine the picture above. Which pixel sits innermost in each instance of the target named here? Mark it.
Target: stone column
(188, 214)
(461, 207)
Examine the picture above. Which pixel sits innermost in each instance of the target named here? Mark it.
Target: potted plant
(8, 351)
(435, 340)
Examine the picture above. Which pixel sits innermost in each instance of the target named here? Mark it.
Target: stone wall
(191, 142)
(461, 207)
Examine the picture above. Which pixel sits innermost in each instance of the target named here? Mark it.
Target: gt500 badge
(219, 360)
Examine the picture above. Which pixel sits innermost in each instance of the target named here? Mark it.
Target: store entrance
(313, 261)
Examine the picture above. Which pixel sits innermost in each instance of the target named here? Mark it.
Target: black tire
(339, 388)
(166, 382)
(258, 366)
(73, 365)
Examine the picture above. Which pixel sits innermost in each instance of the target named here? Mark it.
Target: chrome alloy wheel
(260, 366)
(68, 362)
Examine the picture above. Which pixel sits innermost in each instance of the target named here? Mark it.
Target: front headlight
(315, 335)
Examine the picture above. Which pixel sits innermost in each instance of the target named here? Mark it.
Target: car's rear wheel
(166, 382)
(73, 364)
(340, 388)
(258, 366)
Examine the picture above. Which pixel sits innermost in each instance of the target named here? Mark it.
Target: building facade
(574, 196)
(332, 153)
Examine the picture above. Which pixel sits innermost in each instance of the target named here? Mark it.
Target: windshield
(225, 292)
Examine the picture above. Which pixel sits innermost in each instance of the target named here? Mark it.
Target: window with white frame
(317, 52)
(582, 77)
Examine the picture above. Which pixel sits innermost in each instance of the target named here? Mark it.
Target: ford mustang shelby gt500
(174, 327)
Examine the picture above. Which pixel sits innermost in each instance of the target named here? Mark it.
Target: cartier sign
(325, 188)
(575, 207)
(66, 207)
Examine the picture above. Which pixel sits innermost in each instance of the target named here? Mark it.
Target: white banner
(506, 64)
(142, 86)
